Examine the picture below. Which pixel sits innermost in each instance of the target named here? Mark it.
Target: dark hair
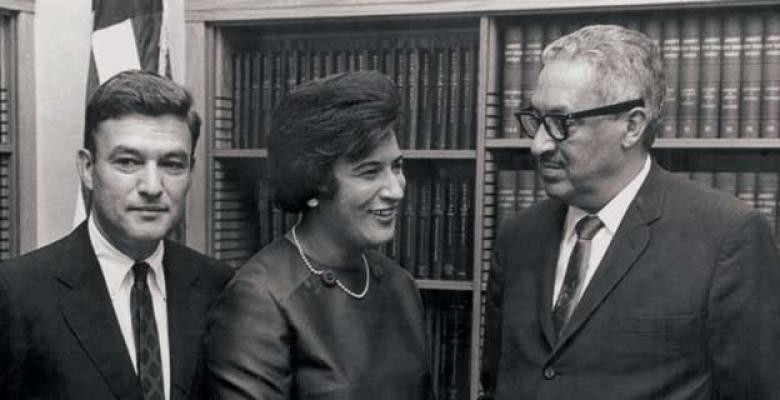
(343, 115)
(139, 92)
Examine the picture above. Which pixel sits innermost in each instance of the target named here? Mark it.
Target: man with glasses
(630, 282)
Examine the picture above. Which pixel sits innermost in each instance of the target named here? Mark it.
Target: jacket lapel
(627, 245)
(86, 306)
(551, 242)
(184, 327)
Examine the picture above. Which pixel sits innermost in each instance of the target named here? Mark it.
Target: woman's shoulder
(388, 268)
(275, 268)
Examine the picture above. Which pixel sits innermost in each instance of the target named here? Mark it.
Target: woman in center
(319, 313)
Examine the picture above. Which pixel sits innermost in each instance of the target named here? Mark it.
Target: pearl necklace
(327, 276)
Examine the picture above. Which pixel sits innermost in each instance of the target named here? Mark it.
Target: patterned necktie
(568, 296)
(147, 344)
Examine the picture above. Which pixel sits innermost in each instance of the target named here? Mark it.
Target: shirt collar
(614, 211)
(117, 266)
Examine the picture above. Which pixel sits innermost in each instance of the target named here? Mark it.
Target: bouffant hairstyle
(344, 115)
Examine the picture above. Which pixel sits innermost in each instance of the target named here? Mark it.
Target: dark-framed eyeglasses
(557, 124)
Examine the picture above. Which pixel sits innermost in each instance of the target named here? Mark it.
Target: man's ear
(635, 127)
(85, 165)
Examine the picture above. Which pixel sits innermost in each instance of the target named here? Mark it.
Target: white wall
(62, 32)
(62, 47)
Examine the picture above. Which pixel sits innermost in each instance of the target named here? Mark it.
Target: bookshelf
(494, 153)
(16, 120)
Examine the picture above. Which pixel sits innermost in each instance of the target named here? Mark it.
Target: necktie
(147, 344)
(568, 296)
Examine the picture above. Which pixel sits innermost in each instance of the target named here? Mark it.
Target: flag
(126, 34)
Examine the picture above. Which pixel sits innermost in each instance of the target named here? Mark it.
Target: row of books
(434, 228)
(5, 207)
(722, 70)
(435, 72)
(516, 190)
(447, 328)
(5, 137)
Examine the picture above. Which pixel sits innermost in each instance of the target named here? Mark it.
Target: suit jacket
(59, 336)
(684, 305)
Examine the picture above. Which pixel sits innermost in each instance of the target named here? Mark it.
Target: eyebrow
(119, 150)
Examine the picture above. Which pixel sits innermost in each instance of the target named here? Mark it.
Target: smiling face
(587, 169)
(362, 211)
(139, 177)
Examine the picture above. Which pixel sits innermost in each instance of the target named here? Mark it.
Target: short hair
(342, 115)
(139, 92)
(627, 64)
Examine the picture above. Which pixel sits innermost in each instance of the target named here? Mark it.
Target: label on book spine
(709, 111)
(752, 47)
(513, 78)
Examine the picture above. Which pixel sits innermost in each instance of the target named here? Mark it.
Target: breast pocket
(657, 337)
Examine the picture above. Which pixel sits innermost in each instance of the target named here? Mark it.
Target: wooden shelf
(731, 144)
(240, 153)
(243, 10)
(441, 154)
(409, 154)
(431, 284)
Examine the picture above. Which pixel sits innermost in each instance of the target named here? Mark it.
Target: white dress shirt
(117, 271)
(610, 215)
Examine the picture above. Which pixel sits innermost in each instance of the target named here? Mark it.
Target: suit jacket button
(549, 373)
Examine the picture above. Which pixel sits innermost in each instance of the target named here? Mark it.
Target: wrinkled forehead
(566, 86)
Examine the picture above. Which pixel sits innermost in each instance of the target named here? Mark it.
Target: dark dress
(279, 333)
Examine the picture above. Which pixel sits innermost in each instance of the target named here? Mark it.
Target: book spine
(766, 196)
(690, 56)
(414, 95)
(423, 269)
(505, 197)
(237, 100)
(671, 57)
(469, 94)
(746, 188)
(256, 104)
(488, 214)
(726, 181)
(401, 80)
(268, 98)
(453, 119)
(465, 227)
(223, 121)
(532, 61)
(246, 102)
(750, 98)
(441, 103)
(512, 79)
(526, 185)
(709, 111)
(730, 76)
(426, 96)
(437, 231)
(451, 229)
(409, 249)
(770, 104)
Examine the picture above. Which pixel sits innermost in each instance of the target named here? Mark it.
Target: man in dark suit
(630, 282)
(114, 310)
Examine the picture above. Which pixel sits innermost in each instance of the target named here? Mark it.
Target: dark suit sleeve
(247, 345)
(10, 344)
(493, 307)
(743, 316)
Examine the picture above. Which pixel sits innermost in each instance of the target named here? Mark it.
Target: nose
(394, 187)
(542, 142)
(149, 182)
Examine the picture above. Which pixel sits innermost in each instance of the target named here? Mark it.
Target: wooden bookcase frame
(206, 18)
(21, 125)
